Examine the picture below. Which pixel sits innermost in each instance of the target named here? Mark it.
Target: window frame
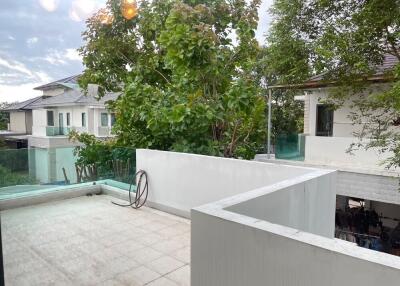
(104, 115)
(50, 124)
(83, 119)
(68, 119)
(328, 133)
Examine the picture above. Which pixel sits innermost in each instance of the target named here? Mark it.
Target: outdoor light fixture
(129, 9)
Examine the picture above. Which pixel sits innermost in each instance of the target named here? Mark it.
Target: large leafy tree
(187, 73)
(284, 60)
(346, 40)
(4, 116)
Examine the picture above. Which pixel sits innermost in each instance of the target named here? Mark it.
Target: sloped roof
(24, 105)
(73, 97)
(389, 62)
(70, 82)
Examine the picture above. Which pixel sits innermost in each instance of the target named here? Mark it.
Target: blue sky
(39, 38)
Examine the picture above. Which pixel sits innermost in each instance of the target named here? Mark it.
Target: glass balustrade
(27, 171)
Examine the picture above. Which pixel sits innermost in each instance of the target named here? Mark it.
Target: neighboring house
(46, 122)
(20, 116)
(328, 135)
(56, 116)
(62, 107)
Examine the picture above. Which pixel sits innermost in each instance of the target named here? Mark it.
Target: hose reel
(142, 191)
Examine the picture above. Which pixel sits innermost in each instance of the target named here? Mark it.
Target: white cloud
(82, 9)
(18, 72)
(49, 5)
(56, 57)
(15, 66)
(73, 55)
(13, 93)
(32, 41)
(11, 38)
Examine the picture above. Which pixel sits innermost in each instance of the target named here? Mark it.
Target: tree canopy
(346, 41)
(187, 71)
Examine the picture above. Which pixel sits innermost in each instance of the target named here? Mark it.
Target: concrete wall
(28, 121)
(308, 206)
(178, 182)
(17, 121)
(332, 151)
(235, 250)
(342, 124)
(369, 187)
(382, 186)
(40, 122)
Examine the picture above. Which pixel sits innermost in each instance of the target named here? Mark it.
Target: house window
(50, 118)
(68, 119)
(104, 119)
(83, 119)
(113, 119)
(324, 120)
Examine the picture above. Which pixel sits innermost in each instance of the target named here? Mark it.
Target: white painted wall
(180, 182)
(93, 120)
(369, 187)
(235, 250)
(17, 122)
(276, 235)
(332, 151)
(308, 205)
(342, 124)
(39, 117)
(53, 91)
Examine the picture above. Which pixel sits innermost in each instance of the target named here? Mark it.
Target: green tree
(187, 86)
(4, 116)
(345, 41)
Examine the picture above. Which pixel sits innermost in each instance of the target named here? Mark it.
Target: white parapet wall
(281, 234)
(333, 151)
(261, 224)
(179, 182)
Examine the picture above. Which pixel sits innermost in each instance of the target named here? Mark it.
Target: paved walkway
(89, 241)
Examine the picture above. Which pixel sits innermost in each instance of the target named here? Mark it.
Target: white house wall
(333, 151)
(53, 91)
(17, 121)
(39, 122)
(342, 124)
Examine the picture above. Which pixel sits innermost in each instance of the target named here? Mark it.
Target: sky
(39, 38)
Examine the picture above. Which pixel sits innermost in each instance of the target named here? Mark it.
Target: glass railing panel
(57, 131)
(28, 171)
(290, 147)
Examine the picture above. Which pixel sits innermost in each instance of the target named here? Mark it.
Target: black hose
(142, 191)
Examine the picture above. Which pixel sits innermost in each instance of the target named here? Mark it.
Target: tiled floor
(89, 241)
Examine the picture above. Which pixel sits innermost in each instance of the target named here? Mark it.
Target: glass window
(83, 119)
(324, 120)
(113, 119)
(50, 118)
(68, 119)
(104, 119)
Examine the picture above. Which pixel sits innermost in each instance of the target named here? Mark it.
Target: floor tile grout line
(163, 276)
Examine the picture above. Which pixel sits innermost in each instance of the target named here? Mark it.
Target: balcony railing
(290, 147)
(24, 171)
(57, 131)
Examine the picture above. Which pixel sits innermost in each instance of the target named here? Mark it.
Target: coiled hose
(142, 191)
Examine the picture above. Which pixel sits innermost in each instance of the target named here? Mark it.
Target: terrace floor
(89, 241)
